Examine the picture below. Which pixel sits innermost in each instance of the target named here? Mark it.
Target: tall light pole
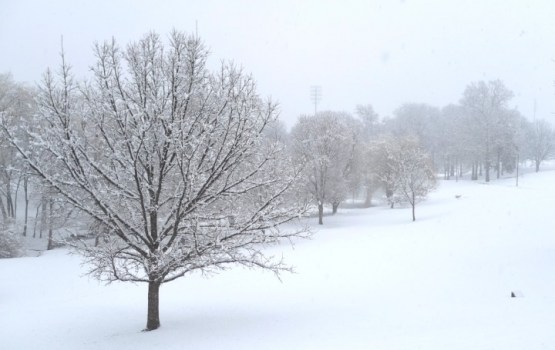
(315, 96)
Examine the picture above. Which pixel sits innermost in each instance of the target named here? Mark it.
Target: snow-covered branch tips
(171, 161)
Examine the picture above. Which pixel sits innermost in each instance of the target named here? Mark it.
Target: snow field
(369, 279)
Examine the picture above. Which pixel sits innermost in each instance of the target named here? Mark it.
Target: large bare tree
(168, 159)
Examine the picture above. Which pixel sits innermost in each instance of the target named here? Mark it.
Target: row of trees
(341, 158)
(345, 155)
(478, 135)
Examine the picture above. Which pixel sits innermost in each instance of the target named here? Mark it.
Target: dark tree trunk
(537, 165)
(389, 196)
(153, 315)
(320, 213)
(50, 245)
(26, 193)
(3, 210)
(43, 215)
(9, 199)
(36, 221)
(16, 194)
(334, 207)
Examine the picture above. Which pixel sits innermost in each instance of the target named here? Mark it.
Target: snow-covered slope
(369, 279)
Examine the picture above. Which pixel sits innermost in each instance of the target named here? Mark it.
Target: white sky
(382, 53)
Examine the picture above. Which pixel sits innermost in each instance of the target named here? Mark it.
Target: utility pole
(315, 96)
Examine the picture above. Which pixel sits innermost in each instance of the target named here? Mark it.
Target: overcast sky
(382, 53)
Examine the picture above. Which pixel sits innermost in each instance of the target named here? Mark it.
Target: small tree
(170, 160)
(415, 171)
(406, 171)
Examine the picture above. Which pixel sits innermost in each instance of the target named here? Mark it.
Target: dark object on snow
(516, 294)
(458, 196)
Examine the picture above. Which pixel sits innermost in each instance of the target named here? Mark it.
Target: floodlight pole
(315, 96)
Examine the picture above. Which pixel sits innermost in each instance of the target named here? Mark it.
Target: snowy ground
(369, 279)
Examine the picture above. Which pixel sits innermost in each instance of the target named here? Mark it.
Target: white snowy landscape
(263, 175)
(368, 279)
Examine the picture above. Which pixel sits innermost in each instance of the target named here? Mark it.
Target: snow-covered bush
(11, 245)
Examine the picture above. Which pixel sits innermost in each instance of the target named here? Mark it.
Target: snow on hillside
(369, 279)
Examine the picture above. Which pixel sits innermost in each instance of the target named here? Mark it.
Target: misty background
(383, 53)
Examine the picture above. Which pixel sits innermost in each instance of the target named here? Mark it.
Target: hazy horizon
(383, 53)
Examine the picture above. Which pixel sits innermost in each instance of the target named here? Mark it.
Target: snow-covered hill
(369, 279)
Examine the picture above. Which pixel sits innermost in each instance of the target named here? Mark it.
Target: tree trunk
(26, 193)
(320, 213)
(16, 194)
(368, 200)
(498, 165)
(3, 210)
(36, 221)
(43, 215)
(413, 206)
(334, 207)
(517, 166)
(389, 196)
(537, 165)
(153, 316)
(50, 245)
(9, 199)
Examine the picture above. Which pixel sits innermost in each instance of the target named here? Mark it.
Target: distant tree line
(480, 137)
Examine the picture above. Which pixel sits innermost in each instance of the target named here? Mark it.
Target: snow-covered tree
(369, 119)
(414, 171)
(11, 245)
(326, 145)
(404, 169)
(540, 141)
(486, 105)
(168, 158)
(16, 104)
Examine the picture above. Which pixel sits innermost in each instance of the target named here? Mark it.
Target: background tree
(16, 104)
(370, 121)
(486, 104)
(169, 158)
(540, 141)
(380, 169)
(414, 171)
(325, 144)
